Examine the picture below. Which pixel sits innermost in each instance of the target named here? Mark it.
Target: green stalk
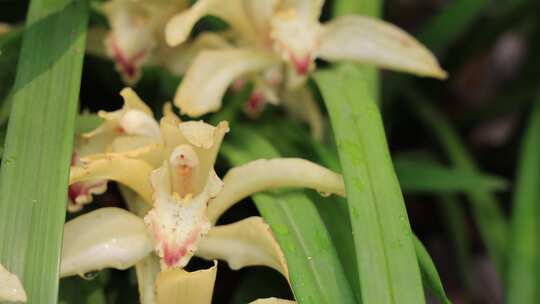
(387, 265)
(35, 166)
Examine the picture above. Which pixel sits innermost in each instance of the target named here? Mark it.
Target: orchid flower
(176, 198)
(276, 45)
(135, 38)
(129, 128)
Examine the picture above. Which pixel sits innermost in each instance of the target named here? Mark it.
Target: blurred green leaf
(486, 210)
(314, 267)
(426, 176)
(430, 276)
(387, 264)
(35, 166)
(524, 252)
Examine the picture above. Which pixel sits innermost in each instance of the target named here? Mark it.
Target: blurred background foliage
(489, 48)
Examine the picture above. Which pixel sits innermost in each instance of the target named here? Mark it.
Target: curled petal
(372, 41)
(179, 286)
(11, 288)
(247, 18)
(248, 242)
(212, 72)
(263, 174)
(272, 301)
(130, 172)
(202, 140)
(82, 193)
(106, 237)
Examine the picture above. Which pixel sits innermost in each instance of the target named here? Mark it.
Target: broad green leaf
(426, 176)
(315, 271)
(35, 166)
(486, 210)
(524, 251)
(387, 265)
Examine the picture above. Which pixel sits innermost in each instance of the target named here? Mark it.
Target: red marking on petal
(255, 104)
(173, 253)
(301, 65)
(128, 66)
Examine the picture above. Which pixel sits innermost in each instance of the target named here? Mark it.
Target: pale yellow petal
(129, 147)
(177, 60)
(301, 104)
(246, 17)
(260, 175)
(104, 238)
(130, 172)
(248, 242)
(147, 271)
(272, 301)
(132, 101)
(306, 8)
(179, 286)
(209, 76)
(11, 288)
(376, 42)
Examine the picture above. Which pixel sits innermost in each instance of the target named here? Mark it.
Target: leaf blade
(38, 144)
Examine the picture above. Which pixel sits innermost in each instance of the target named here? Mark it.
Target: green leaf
(387, 265)
(524, 252)
(35, 166)
(430, 276)
(314, 267)
(447, 26)
(426, 176)
(486, 210)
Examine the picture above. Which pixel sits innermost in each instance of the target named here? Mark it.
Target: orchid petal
(130, 147)
(372, 41)
(246, 17)
(177, 224)
(248, 242)
(263, 174)
(179, 286)
(209, 76)
(147, 271)
(301, 104)
(306, 8)
(11, 288)
(272, 301)
(203, 140)
(130, 172)
(106, 237)
(177, 60)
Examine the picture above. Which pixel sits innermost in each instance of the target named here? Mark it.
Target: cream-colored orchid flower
(135, 38)
(282, 38)
(129, 128)
(136, 28)
(177, 198)
(11, 288)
